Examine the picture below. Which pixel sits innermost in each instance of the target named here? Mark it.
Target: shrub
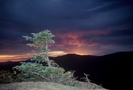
(9, 77)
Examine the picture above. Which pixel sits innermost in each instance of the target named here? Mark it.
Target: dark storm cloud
(105, 22)
(68, 14)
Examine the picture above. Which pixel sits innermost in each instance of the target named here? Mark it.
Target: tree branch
(39, 75)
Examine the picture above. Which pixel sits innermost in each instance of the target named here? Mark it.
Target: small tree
(37, 71)
(41, 40)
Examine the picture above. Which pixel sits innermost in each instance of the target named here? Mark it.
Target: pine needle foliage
(37, 71)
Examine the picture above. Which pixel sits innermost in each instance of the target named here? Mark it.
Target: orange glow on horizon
(15, 58)
(80, 51)
(57, 53)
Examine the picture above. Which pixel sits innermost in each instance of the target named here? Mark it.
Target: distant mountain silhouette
(8, 65)
(111, 70)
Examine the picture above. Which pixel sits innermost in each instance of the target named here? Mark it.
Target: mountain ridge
(108, 70)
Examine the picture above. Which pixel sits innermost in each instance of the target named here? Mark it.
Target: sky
(84, 27)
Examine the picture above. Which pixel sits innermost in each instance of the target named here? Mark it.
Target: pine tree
(41, 40)
(37, 71)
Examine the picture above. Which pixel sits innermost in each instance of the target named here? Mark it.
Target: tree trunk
(47, 58)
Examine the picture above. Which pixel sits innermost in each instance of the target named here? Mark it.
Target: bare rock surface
(46, 86)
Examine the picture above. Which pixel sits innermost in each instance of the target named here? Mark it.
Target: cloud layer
(83, 26)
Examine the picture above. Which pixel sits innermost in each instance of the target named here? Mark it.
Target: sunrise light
(57, 53)
(23, 57)
(14, 58)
